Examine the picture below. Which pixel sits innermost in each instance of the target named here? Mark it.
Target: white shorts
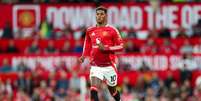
(107, 74)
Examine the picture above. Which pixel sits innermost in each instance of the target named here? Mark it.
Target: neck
(101, 24)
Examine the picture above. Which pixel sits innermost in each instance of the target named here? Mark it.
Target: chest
(102, 34)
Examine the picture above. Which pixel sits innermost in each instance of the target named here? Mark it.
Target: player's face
(100, 16)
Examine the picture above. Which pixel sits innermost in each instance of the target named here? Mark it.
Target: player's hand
(81, 59)
(100, 45)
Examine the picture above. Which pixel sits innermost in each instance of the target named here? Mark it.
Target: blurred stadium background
(40, 41)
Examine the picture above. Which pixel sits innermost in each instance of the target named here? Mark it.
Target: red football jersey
(109, 37)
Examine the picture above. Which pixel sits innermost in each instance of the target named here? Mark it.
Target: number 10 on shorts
(113, 78)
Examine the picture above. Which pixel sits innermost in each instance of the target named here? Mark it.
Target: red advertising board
(138, 16)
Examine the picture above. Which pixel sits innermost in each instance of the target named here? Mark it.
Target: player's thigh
(96, 76)
(95, 82)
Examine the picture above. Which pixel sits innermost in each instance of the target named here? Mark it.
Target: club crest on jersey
(105, 33)
(93, 34)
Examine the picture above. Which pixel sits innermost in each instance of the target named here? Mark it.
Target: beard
(99, 21)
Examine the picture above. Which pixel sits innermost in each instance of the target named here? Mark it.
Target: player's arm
(86, 48)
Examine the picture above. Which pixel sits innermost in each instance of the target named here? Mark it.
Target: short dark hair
(101, 8)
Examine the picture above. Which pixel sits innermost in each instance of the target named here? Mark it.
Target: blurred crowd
(146, 47)
(149, 46)
(49, 47)
(32, 86)
(155, 89)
